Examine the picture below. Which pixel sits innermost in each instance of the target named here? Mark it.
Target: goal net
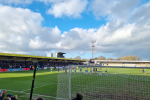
(104, 83)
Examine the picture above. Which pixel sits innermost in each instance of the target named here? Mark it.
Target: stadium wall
(15, 69)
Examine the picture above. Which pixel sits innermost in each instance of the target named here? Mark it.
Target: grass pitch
(118, 84)
(19, 83)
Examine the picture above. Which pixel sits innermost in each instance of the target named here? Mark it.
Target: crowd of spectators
(4, 64)
(9, 96)
(9, 64)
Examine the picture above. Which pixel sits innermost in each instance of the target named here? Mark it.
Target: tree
(102, 58)
(110, 58)
(130, 57)
(96, 58)
(84, 59)
(78, 57)
(138, 58)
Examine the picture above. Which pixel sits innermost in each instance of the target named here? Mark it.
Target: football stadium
(74, 50)
(30, 77)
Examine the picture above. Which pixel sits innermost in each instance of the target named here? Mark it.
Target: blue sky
(66, 23)
(39, 27)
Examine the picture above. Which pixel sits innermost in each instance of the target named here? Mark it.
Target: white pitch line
(33, 94)
(12, 90)
(40, 86)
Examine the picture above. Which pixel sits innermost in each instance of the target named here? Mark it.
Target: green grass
(19, 83)
(119, 83)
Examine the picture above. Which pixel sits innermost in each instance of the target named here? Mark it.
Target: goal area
(104, 83)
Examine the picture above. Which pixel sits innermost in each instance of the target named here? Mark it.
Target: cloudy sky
(39, 27)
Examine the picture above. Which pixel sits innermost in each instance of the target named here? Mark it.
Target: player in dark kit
(93, 69)
(65, 69)
(58, 69)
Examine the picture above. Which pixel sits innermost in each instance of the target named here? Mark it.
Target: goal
(104, 83)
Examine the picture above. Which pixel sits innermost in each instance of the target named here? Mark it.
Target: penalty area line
(40, 86)
(33, 94)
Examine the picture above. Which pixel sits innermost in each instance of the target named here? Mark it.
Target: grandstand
(21, 57)
(9, 61)
(123, 63)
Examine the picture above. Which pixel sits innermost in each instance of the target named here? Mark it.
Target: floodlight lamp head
(93, 42)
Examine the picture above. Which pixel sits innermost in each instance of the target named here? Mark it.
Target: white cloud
(58, 8)
(36, 43)
(50, 1)
(113, 8)
(69, 8)
(21, 30)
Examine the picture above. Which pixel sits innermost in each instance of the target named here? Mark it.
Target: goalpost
(104, 82)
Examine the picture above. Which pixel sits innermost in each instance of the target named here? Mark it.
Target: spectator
(14, 98)
(2, 94)
(7, 99)
(40, 98)
(9, 96)
(78, 97)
